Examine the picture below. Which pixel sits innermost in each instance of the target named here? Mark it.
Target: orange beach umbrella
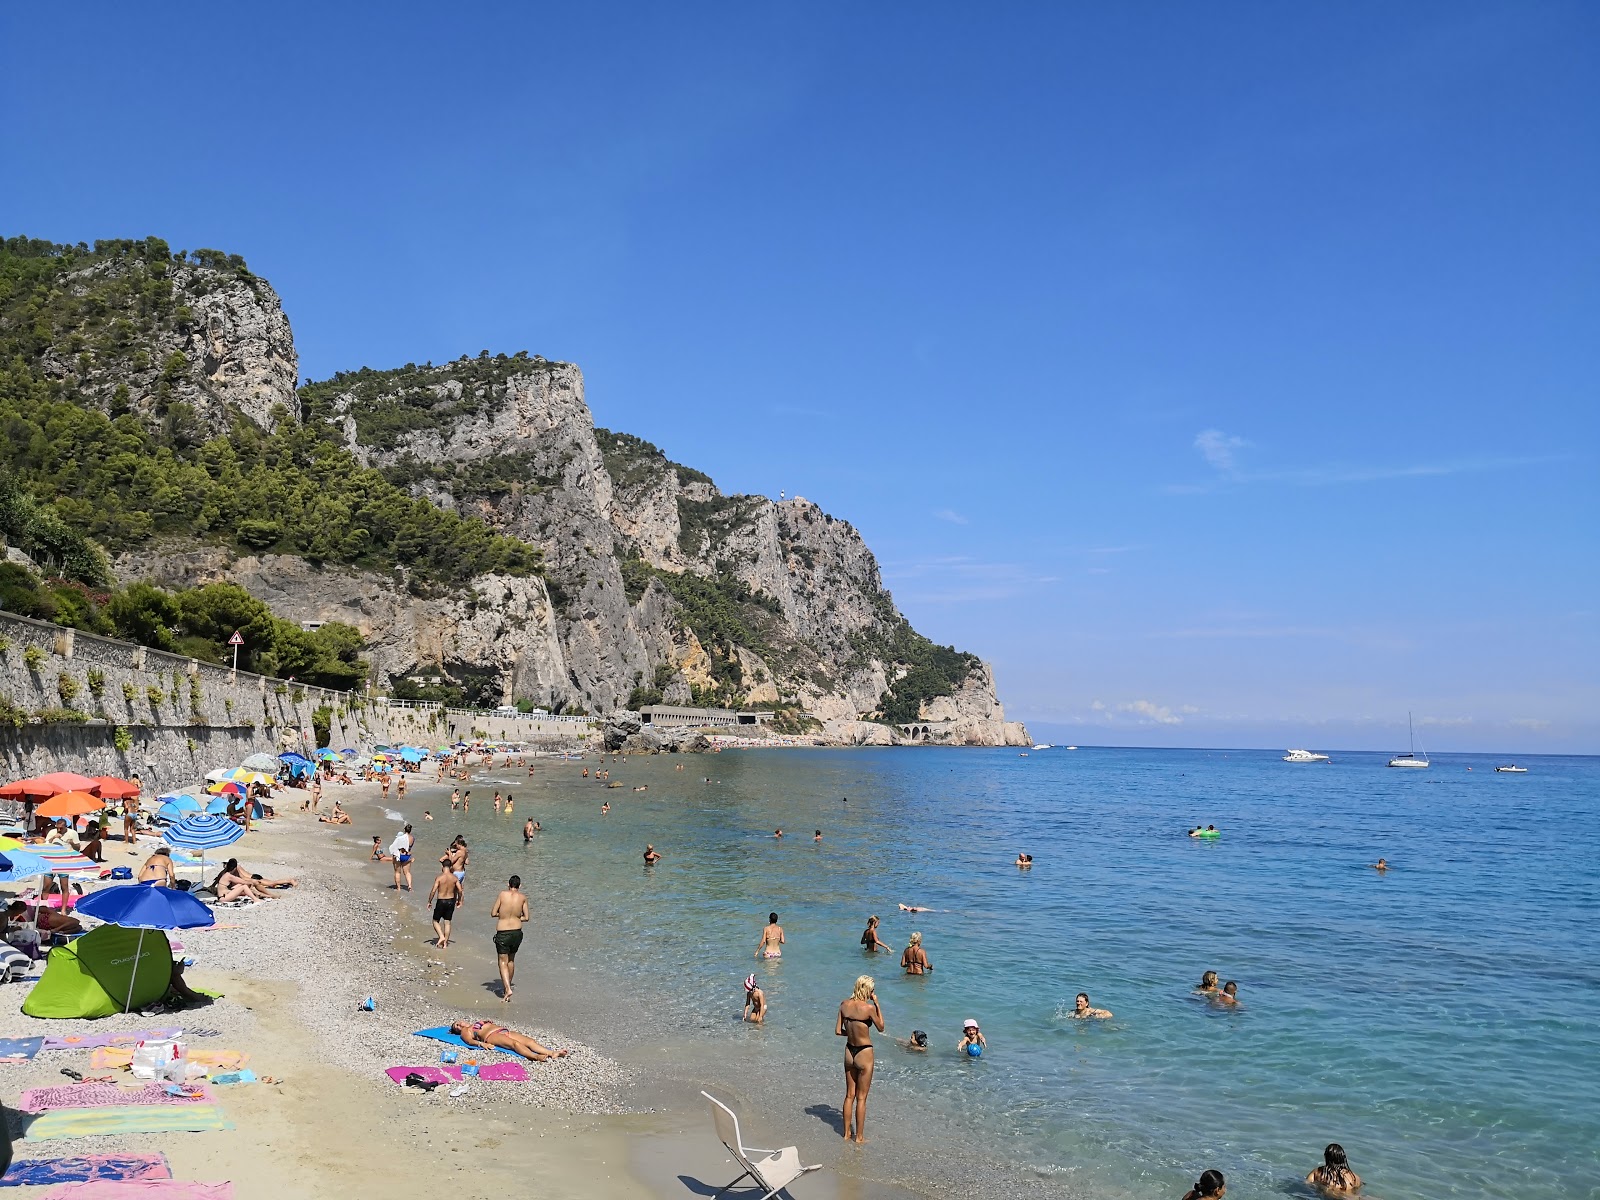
(112, 788)
(70, 804)
(49, 785)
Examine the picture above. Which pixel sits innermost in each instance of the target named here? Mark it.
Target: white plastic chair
(776, 1170)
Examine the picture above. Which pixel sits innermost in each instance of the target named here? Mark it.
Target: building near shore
(671, 716)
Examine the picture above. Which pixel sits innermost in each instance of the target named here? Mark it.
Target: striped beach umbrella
(64, 860)
(204, 831)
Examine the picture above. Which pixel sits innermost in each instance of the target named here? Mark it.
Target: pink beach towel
(93, 1041)
(104, 1095)
(501, 1072)
(162, 1189)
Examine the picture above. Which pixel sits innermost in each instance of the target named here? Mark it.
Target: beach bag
(161, 1059)
(121, 872)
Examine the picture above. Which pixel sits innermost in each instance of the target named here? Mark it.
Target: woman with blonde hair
(857, 1018)
(915, 959)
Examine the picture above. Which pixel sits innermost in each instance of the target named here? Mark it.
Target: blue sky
(1223, 373)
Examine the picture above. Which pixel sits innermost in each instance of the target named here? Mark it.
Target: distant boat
(1044, 746)
(1410, 758)
(1305, 756)
(1511, 769)
(1071, 747)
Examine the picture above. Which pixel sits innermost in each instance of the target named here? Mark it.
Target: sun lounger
(773, 1170)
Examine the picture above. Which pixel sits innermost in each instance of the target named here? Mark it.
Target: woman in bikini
(772, 939)
(493, 1035)
(857, 1018)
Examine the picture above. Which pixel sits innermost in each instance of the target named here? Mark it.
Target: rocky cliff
(653, 587)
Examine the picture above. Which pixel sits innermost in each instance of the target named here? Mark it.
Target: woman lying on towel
(493, 1035)
(232, 884)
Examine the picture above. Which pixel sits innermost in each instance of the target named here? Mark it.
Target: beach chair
(774, 1171)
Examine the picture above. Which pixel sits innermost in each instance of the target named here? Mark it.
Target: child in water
(971, 1039)
(755, 1002)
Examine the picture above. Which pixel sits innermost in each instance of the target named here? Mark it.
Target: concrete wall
(180, 717)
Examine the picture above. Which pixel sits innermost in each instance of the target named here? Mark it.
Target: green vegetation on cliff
(930, 670)
(632, 462)
(196, 622)
(125, 471)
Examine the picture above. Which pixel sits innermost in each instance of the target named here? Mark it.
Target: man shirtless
(444, 895)
(158, 867)
(510, 912)
(455, 861)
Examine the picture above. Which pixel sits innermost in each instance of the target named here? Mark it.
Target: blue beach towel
(441, 1033)
(19, 1049)
(39, 1172)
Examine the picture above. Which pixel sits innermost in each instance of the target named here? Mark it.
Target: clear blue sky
(1226, 374)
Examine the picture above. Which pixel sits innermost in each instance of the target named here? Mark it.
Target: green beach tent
(89, 976)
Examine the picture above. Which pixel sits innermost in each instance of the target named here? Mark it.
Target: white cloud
(1219, 449)
(948, 514)
(1529, 723)
(1143, 712)
(1445, 722)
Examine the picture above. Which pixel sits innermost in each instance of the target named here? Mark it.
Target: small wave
(393, 816)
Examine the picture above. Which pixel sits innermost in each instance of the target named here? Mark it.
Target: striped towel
(110, 1058)
(133, 1118)
(104, 1095)
(171, 1189)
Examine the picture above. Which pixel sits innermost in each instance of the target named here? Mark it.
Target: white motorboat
(1071, 747)
(1044, 746)
(1511, 769)
(1305, 756)
(1410, 758)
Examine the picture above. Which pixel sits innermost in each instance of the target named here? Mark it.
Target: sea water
(1439, 1020)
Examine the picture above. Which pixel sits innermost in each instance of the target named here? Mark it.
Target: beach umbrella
(181, 801)
(24, 865)
(226, 787)
(240, 775)
(113, 788)
(64, 860)
(412, 755)
(48, 785)
(349, 752)
(260, 762)
(290, 758)
(204, 831)
(144, 906)
(70, 804)
(218, 775)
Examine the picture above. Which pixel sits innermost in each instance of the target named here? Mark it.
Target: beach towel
(41, 1172)
(172, 1189)
(501, 1072)
(93, 1041)
(441, 1033)
(16, 1050)
(132, 1118)
(110, 1058)
(105, 1095)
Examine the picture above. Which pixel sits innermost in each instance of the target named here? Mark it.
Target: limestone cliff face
(217, 338)
(660, 585)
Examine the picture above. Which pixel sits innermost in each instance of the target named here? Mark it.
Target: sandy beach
(293, 973)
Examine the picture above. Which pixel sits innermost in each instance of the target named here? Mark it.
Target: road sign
(237, 639)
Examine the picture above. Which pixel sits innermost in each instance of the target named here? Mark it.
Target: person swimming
(1229, 995)
(1380, 865)
(1081, 1008)
(972, 1041)
(1211, 1186)
(772, 939)
(1208, 984)
(1024, 860)
(1334, 1176)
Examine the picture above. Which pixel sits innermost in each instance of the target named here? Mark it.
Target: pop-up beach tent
(105, 972)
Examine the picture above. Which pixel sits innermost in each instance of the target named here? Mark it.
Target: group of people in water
(1333, 1178)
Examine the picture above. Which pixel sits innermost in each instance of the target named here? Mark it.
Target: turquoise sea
(1442, 1021)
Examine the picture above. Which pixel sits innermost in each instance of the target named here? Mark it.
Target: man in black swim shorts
(445, 894)
(510, 911)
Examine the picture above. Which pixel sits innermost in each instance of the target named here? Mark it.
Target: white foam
(392, 815)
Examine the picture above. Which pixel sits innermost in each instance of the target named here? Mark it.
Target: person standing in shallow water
(858, 1016)
(772, 939)
(1334, 1176)
(1210, 1187)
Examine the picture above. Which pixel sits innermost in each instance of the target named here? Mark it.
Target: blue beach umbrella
(145, 906)
(23, 864)
(412, 755)
(204, 831)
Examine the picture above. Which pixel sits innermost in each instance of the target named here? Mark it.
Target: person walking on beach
(772, 939)
(858, 1016)
(869, 938)
(400, 851)
(444, 895)
(915, 959)
(510, 911)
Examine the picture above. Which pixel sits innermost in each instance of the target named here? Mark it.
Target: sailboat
(1410, 758)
